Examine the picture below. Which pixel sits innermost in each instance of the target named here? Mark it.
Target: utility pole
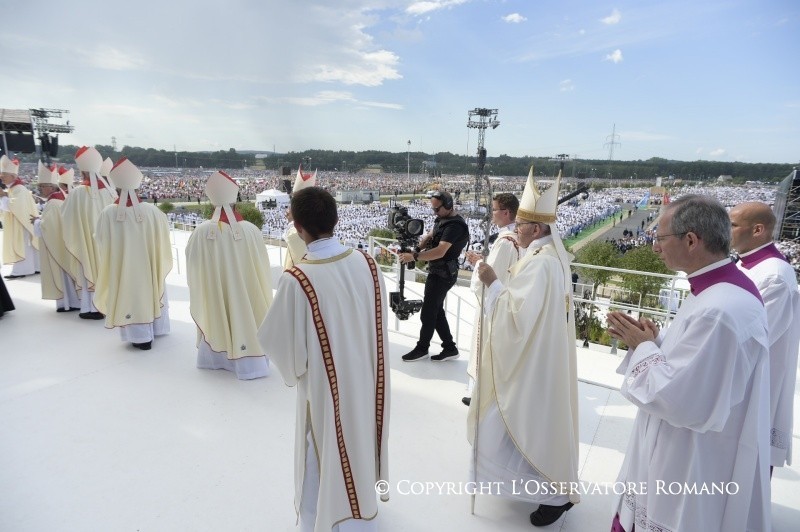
(611, 141)
(408, 162)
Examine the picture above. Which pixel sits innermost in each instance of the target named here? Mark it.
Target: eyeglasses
(436, 209)
(659, 238)
(495, 210)
(525, 223)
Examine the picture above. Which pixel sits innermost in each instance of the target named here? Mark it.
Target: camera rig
(407, 231)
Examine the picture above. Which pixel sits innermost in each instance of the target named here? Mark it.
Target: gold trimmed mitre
(538, 206)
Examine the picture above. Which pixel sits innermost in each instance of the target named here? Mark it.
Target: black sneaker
(446, 354)
(414, 355)
(466, 400)
(144, 346)
(547, 515)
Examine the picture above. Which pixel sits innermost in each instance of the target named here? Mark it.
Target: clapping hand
(630, 331)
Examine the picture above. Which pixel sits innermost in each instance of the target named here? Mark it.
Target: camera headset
(445, 198)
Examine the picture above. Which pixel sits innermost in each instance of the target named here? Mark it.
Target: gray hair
(705, 217)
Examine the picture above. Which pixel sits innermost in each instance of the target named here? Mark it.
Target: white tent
(272, 196)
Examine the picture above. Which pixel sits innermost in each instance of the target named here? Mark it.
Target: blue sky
(683, 80)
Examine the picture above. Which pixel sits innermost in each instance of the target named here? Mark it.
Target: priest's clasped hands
(633, 332)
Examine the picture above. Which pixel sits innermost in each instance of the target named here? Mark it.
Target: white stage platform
(99, 436)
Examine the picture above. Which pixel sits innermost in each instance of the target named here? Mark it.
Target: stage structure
(45, 129)
(16, 128)
(787, 208)
(481, 119)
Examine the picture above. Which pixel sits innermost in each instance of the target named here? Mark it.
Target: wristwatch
(415, 255)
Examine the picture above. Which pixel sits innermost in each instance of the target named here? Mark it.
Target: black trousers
(432, 314)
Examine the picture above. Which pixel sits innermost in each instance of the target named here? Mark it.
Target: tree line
(443, 163)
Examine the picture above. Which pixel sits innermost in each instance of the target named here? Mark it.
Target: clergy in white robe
(698, 455)
(752, 225)
(56, 282)
(230, 286)
(295, 246)
(529, 358)
(326, 332)
(503, 254)
(20, 245)
(135, 257)
(79, 215)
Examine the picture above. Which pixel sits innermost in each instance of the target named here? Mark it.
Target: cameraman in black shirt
(441, 248)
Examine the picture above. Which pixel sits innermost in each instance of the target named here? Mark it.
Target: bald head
(752, 224)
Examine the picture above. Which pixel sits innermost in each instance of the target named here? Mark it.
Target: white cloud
(382, 105)
(371, 69)
(719, 152)
(110, 58)
(320, 98)
(615, 56)
(613, 18)
(566, 86)
(331, 97)
(421, 8)
(514, 18)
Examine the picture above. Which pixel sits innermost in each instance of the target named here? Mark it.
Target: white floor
(99, 436)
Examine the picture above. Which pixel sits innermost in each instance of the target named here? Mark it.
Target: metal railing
(461, 305)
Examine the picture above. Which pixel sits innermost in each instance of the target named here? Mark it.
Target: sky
(686, 80)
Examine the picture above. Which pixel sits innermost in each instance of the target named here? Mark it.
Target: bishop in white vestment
(56, 282)
(135, 257)
(79, 216)
(20, 244)
(230, 286)
(529, 358)
(295, 246)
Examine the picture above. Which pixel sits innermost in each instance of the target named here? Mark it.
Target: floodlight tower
(480, 119)
(561, 158)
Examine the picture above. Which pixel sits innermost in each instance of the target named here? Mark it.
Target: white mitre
(541, 207)
(127, 178)
(304, 180)
(222, 191)
(46, 176)
(89, 160)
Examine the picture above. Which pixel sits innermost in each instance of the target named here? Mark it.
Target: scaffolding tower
(481, 119)
(787, 208)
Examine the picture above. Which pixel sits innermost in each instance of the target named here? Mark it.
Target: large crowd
(356, 220)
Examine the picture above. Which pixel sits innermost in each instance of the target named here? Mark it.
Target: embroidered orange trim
(380, 381)
(333, 384)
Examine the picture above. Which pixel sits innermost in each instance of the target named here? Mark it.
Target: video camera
(407, 231)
